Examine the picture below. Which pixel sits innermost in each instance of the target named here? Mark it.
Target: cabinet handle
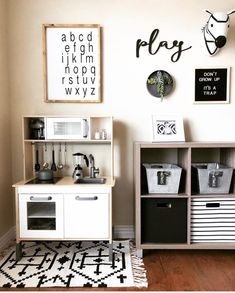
(41, 198)
(213, 205)
(86, 198)
(85, 128)
(164, 205)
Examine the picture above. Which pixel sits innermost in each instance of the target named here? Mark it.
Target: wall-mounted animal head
(216, 29)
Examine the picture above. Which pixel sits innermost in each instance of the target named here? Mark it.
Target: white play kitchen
(66, 193)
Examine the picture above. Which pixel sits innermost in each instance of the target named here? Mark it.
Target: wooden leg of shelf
(139, 253)
(18, 251)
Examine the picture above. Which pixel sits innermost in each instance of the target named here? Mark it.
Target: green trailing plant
(161, 80)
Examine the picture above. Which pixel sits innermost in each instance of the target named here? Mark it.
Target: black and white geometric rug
(73, 264)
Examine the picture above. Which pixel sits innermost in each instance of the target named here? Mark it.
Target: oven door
(41, 216)
(67, 128)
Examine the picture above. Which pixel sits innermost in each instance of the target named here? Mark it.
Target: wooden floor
(187, 270)
(181, 270)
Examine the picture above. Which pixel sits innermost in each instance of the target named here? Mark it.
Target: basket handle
(161, 177)
(213, 178)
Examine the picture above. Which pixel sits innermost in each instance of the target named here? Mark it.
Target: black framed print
(72, 63)
(212, 85)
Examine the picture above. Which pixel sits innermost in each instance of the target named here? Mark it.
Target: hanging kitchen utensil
(45, 164)
(60, 165)
(37, 165)
(65, 155)
(53, 165)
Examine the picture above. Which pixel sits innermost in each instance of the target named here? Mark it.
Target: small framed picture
(167, 128)
(212, 85)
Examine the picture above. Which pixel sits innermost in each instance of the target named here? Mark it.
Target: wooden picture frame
(167, 128)
(212, 85)
(72, 63)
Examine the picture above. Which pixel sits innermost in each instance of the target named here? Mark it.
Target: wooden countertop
(67, 181)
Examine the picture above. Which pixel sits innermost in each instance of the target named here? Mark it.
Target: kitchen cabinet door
(41, 216)
(87, 216)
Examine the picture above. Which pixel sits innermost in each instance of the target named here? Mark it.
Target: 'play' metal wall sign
(153, 48)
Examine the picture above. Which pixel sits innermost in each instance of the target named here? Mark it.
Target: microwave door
(67, 128)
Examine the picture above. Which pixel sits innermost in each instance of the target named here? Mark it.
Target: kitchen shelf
(183, 154)
(101, 149)
(94, 123)
(40, 214)
(82, 141)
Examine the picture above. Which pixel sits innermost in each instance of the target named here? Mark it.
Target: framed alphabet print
(72, 62)
(167, 128)
(212, 85)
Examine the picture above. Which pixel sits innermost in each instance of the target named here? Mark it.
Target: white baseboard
(123, 231)
(7, 238)
(120, 232)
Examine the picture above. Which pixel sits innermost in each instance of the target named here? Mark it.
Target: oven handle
(86, 197)
(40, 198)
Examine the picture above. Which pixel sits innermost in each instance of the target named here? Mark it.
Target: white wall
(124, 76)
(6, 198)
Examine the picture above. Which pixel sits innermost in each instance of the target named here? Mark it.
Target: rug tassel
(139, 272)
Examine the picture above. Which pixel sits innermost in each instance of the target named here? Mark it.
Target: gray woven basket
(212, 178)
(163, 178)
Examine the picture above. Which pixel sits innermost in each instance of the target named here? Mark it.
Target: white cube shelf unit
(187, 219)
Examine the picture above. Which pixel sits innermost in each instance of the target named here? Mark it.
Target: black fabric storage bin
(163, 220)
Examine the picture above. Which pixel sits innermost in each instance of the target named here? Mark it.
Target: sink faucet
(93, 170)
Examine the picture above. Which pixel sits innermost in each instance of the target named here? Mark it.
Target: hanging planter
(160, 84)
